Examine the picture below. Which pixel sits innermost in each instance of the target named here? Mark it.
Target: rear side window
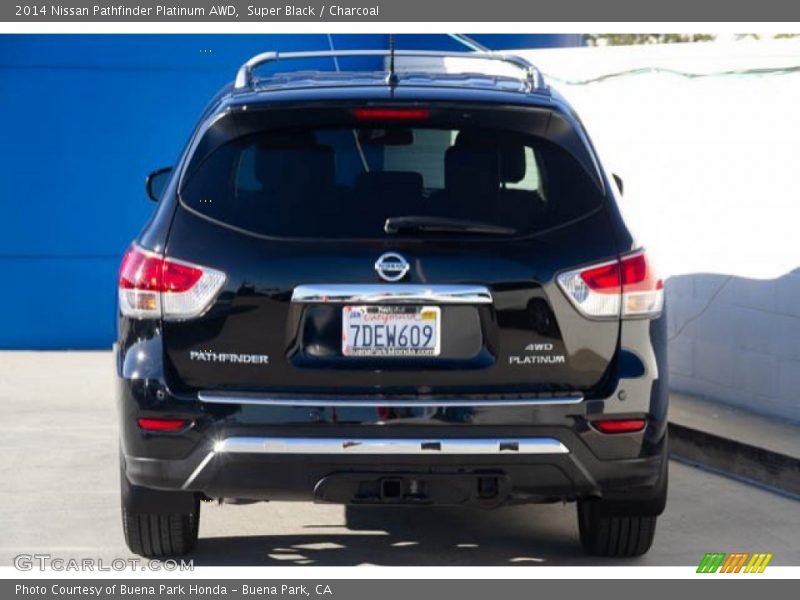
(345, 183)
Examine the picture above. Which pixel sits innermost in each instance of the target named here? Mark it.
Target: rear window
(345, 183)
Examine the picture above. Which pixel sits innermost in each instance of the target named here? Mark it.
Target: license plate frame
(380, 319)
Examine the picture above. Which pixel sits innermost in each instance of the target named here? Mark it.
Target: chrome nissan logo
(391, 266)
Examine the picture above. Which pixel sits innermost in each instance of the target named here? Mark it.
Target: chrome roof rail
(531, 75)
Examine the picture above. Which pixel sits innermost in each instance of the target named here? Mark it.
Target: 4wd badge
(538, 354)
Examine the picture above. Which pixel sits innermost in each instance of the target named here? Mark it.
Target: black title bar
(441, 11)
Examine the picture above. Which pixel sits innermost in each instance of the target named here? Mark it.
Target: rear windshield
(346, 183)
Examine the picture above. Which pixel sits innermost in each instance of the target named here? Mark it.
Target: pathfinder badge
(228, 358)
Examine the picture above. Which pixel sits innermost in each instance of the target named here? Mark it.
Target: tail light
(626, 287)
(162, 424)
(619, 425)
(152, 286)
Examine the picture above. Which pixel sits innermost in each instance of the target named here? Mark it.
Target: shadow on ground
(524, 535)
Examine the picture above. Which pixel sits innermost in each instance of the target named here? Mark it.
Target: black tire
(158, 523)
(608, 533)
(622, 528)
(153, 535)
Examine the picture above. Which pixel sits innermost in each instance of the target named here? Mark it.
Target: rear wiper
(444, 225)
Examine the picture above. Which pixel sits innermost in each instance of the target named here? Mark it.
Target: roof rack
(244, 77)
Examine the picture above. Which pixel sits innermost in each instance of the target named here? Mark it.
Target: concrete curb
(768, 468)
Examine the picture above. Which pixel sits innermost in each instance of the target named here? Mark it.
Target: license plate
(391, 331)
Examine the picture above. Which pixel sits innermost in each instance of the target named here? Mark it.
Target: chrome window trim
(371, 402)
(427, 446)
(344, 293)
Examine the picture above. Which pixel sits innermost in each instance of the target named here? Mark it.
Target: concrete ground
(773, 435)
(58, 465)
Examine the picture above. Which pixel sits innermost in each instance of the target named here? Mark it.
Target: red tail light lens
(140, 270)
(625, 288)
(619, 426)
(392, 114)
(162, 424)
(604, 279)
(179, 277)
(634, 270)
(140, 283)
(151, 286)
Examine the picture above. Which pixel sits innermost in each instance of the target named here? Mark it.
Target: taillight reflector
(152, 286)
(619, 426)
(162, 424)
(391, 114)
(626, 287)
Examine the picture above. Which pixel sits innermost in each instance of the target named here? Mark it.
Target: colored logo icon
(736, 562)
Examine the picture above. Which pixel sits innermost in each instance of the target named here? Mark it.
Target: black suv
(400, 287)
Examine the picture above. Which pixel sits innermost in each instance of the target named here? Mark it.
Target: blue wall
(85, 118)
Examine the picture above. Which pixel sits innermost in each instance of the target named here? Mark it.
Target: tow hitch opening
(488, 487)
(391, 489)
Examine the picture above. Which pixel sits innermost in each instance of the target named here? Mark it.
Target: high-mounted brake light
(626, 287)
(619, 425)
(391, 114)
(151, 286)
(162, 424)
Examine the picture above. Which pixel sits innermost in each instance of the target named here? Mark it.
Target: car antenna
(391, 78)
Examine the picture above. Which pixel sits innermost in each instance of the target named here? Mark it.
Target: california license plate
(389, 331)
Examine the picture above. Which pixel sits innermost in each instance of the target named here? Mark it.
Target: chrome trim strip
(223, 398)
(344, 293)
(198, 470)
(345, 446)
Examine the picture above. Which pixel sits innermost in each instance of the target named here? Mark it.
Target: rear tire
(622, 528)
(153, 527)
(609, 533)
(152, 535)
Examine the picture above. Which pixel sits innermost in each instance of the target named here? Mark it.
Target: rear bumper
(432, 470)
(286, 447)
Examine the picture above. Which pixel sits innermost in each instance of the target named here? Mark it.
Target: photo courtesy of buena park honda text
(399, 299)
